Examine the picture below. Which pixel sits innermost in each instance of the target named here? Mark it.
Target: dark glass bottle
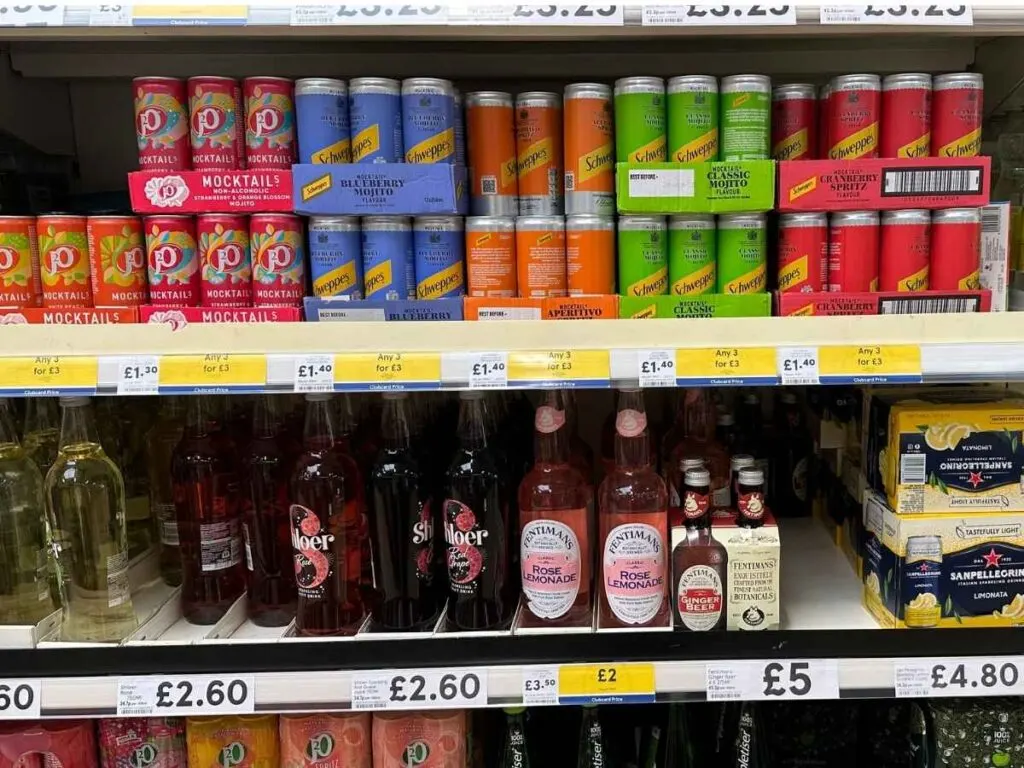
(593, 752)
(699, 571)
(791, 494)
(514, 751)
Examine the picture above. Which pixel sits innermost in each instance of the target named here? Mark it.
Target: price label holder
(870, 364)
(737, 14)
(20, 699)
(362, 14)
(656, 367)
(528, 14)
(563, 368)
(487, 370)
(540, 686)
(795, 679)
(32, 14)
(419, 689)
(110, 15)
(314, 373)
(798, 366)
(138, 375)
(923, 14)
(606, 684)
(360, 372)
(727, 366)
(48, 375)
(185, 695)
(212, 374)
(188, 14)
(980, 676)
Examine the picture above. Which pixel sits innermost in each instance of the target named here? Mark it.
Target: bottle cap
(751, 477)
(74, 400)
(691, 462)
(471, 394)
(698, 477)
(726, 419)
(741, 460)
(318, 397)
(396, 394)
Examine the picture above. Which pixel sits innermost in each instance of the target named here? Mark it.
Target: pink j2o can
(217, 124)
(278, 260)
(172, 261)
(224, 260)
(269, 122)
(161, 124)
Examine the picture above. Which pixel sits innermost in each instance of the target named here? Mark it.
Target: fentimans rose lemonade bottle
(555, 504)
(633, 524)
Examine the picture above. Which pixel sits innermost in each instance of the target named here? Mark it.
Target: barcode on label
(990, 220)
(931, 181)
(912, 468)
(488, 185)
(570, 182)
(930, 306)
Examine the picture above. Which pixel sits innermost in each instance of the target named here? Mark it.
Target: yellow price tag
(562, 368)
(187, 374)
(605, 683)
(168, 14)
(387, 370)
(727, 365)
(870, 364)
(54, 374)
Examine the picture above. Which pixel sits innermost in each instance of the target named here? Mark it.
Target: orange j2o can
(20, 284)
(491, 256)
(855, 106)
(539, 153)
(64, 260)
(590, 255)
(589, 149)
(117, 261)
(540, 256)
(492, 154)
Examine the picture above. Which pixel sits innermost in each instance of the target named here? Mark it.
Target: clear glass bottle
(85, 500)
(161, 440)
(42, 431)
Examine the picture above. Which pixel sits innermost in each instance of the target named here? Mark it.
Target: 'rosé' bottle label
(313, 555)
(550, 558)
(634, 572)
(699, 598)
(466, 541)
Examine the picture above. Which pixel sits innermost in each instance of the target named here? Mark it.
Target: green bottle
(514, 752)
(593, 751)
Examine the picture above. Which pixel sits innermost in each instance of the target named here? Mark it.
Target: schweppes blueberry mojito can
(439, 247)
(335, 256)
(388, 269)
(742, 255)
(428, 120)
(375, 120)
(321, 109)
(640, 135)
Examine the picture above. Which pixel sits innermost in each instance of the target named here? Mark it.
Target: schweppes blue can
(321, 109)
(335, 256)
(439, 249)
(375, 120)
(428, 120)
(388, 268)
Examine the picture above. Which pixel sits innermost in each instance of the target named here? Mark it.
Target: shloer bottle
(698, 562)
(555, 505)
(592, 752)
(161, 440)
(633, 526)
(514, 751)
(402, 528)
(476, 527)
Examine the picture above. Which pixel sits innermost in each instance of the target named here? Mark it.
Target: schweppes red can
(955, 250)
(906, 128)
(855, 103)
(794, 122)
(905, 250)
(956, 114)
(803, 252)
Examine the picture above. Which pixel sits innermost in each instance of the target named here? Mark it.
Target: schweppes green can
(643, 256)
(742, 255)
(692, 119)
(640, 135)
(691, 255)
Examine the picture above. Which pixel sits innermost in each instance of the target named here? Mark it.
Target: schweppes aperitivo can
(589, 149)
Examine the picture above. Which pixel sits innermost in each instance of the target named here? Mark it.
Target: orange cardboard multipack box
(582, 308)
(478, 308)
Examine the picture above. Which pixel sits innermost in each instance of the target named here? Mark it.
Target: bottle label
(695, 504)
(699, 598)
(634, 572)
(630, 423)
(722, 497)
(248, 547)
(800, 479)
(314, 558)
(548, 419)
(751, 505)
(467, 557)
(549, 554)
(423, 544)
(220, 546)
(168, 520)
(119, 591)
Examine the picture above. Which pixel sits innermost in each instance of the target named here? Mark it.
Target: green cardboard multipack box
(708, 305)
(746, 186)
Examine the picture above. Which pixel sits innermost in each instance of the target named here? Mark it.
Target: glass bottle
(555, 507)
(700, 442)
(581, 455)
(699, 562)
(266, 525)
(402, 528)
(593, 752)
(514, 750)
(633, 521)
(24, 538)
(207, 501)
(476, 527)
(791, 494)
(132, 419)
(750, 504)
(42, 431)
(85, 501)
(161, 440)
(328, 528)
(750, 431)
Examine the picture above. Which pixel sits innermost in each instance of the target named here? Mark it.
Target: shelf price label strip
(606, 684)
(48, 375)
(360, 372)
(726, 366)
(168, 15)
(582, 368)
(216, 373)
(870, 364)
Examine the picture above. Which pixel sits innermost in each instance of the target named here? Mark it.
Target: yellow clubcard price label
(727, 366)
(194, 13)
(387, 370)
(870, 364)
(605, 683)
(185, 374)
(559, 368)
(53, 374)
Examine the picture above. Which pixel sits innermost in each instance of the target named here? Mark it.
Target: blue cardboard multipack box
(337, 309)
(373, 189)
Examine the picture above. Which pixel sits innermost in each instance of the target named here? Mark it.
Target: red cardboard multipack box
(211, 191)
(181, 316)
(887, 303)
(884, 184)
(69, 316)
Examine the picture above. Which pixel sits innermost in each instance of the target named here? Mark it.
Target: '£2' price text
(183, 694)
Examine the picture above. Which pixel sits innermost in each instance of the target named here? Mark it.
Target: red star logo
(923, 567)
(975, 479)
(992, 558)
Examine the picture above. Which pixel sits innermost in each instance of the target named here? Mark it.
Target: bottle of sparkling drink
(633, 523)
(207, 500)
(402, 528)
(592, 752)
(24, 541)
(132, 415)
(42, 431)
(266, 524)
(555, 506)
(328, 528)
(85, 503)
(161, 440)
(514, 751)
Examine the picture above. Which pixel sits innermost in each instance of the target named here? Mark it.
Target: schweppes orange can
(855, 106)
(589, 149)
(491, 256)
(590, 255)
(540, 256)
(492, 154)
(956, 114)
(539, 153)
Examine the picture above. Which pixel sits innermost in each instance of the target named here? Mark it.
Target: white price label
(798, 366)
(755, 15)
(19, 699)
(419, 689)
(138, 375)
(927, 14)
(996, 676)
(656, 367)
(314, 373)
(380, 14)
(540, 686)
(192, 695)
(110, 15)
(798, 679)
(26, 15)
(488, 370)
(562, 14)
